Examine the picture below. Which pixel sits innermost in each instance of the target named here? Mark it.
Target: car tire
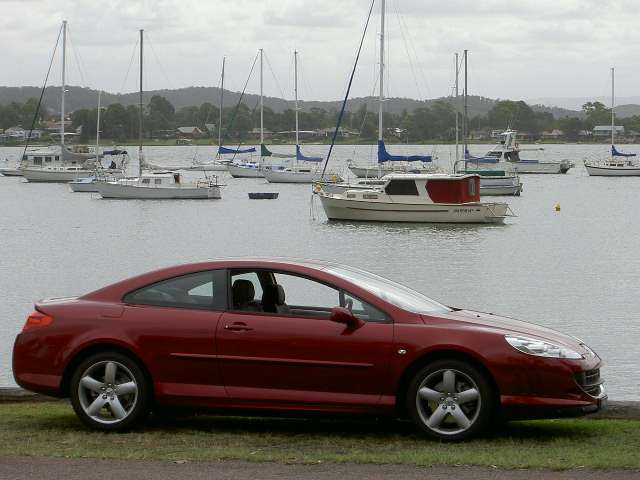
(109, 391)
(450, 400)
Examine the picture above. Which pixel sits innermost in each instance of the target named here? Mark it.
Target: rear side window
(201, 290)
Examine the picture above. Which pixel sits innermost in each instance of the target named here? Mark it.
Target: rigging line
(406, 48)
(35, 115)
(401, 17)
(126, 76)
(346, 95)
(308, 92)
(76, 54)
(275, 79)
(237, 107)
(162, 69)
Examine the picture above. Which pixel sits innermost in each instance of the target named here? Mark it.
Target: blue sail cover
(384, 156)
(224, 150)
(616, 153)
(300, 156)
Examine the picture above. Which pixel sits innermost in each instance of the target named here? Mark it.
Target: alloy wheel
(448, 402)
(107, 392)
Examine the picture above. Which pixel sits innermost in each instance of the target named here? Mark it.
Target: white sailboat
(305, 169)
(243, 167)
(617, 164)
(63, 163)
(493, 181)
(156, 185)
(406, 197)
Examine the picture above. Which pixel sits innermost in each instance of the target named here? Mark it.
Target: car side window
(196, 290)
(301, 291)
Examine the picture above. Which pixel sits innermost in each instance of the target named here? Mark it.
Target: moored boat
(616, 164)
(508, 151)
(421, 198)
(159, 186)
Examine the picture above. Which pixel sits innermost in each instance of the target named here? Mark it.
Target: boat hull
(354, 210)
(238, 171)
(292, 176)
(610, 171)
(83, 187)
(542, 167)
(54, 176)
(207, 168)
(113, 190)
(11, 172)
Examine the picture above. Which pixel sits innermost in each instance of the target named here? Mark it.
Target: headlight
(540, 348)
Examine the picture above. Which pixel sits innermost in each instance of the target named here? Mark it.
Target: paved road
(80, 469)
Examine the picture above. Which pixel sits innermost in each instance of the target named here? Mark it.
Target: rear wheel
(109, 391)
(450, 400)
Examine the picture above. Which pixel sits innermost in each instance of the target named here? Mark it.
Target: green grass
(51, 429)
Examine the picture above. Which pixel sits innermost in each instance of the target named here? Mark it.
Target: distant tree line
(435, 123)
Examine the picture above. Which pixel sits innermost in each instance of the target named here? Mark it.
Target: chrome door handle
(238, 327)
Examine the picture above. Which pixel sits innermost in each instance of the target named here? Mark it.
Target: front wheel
(109, 391)
(450, 400)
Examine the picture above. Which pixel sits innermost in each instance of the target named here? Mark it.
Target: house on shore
(189, 132)
(605, 130)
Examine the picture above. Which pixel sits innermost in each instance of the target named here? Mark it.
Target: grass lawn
(51, 429)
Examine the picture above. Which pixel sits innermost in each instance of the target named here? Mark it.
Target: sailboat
(493, 181)
(305, 168)
(62, 163)
(88, 184)
(156, 185)
(617, 164)
(243, 168)
(406, 197)
(388, 163)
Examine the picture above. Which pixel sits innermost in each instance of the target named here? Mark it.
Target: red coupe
(272, 334)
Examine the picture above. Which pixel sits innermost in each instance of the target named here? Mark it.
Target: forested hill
(85, 98)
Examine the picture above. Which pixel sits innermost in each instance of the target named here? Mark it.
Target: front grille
(590, 381)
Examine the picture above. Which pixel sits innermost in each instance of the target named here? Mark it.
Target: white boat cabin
(421, 189)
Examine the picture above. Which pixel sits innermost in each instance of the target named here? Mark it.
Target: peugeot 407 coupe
(285, 335)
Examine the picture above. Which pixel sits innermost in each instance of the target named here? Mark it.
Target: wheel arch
(93, 349)
(434, 355)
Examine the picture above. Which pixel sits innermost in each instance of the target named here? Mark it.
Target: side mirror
(344, 316)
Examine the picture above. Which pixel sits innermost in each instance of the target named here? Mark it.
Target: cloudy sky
(518, 48)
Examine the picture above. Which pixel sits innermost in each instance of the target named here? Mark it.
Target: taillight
(37, 319)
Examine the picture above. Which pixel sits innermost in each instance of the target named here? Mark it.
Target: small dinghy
(263, 195)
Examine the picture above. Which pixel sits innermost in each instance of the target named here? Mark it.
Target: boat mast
(221, 100)
(141, 108)
(64, 86)
(295, 90)
(465, 123)
(613, 128)
(381, 96)
(98, 130)
(457, 112)
(261, 102)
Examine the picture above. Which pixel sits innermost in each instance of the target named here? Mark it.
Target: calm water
(577, 270)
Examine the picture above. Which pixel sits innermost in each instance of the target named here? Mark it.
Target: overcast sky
(518, 48)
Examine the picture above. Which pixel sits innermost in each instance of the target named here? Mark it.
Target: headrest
(243, 291)
(273, 294)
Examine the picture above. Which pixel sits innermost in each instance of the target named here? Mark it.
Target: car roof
(119, 288)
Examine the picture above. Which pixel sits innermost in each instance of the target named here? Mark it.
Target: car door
(296, 354)
(174, 323)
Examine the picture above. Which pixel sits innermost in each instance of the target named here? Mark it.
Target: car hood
(506, 325)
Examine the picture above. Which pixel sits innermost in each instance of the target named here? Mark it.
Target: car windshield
(389, 291)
